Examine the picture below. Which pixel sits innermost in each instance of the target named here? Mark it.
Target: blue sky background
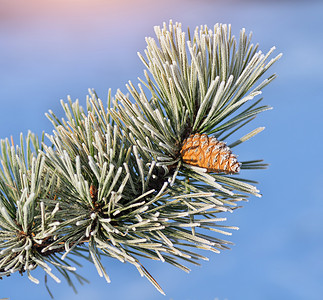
(51, 49)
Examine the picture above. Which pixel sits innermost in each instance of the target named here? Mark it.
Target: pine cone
(207, 152)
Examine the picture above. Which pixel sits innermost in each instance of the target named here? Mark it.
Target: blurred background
(54, 48)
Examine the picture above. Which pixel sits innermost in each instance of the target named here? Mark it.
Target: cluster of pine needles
(148, 175)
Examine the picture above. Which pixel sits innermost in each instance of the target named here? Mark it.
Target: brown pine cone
(207, 152)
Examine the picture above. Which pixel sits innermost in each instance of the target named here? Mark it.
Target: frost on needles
(114, 180)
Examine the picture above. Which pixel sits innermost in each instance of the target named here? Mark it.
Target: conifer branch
(142, 177)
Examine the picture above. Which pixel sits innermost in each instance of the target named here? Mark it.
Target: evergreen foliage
(111, 180)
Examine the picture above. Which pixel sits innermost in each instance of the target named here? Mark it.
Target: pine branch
(141, 177)
(27, 223)
(197, 86)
